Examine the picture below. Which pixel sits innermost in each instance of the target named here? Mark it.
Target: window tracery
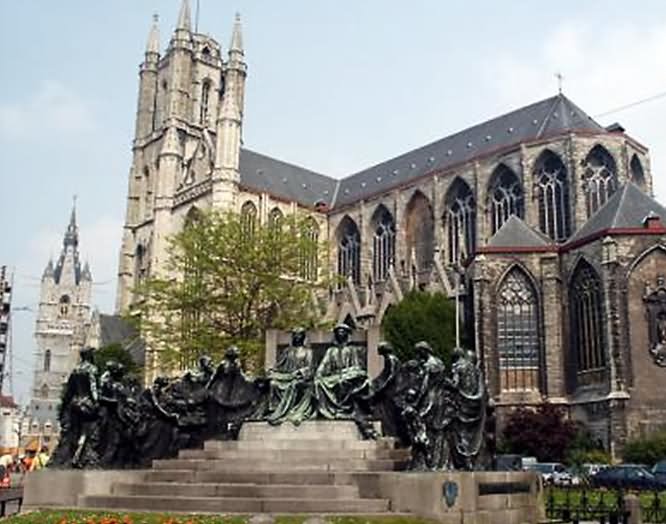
(383, 243)
(460, 220)
(420, 232)
(349, 250)
(599, 179)
(310, 252)
(587, 337)
(205, 102)
(505, 196)
(552, 183)
(248, 219)
(518, 340)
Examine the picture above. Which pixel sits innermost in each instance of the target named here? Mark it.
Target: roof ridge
(543, 125)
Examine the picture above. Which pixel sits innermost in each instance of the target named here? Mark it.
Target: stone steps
(300, 444)
(250, 477)
(240, 490)
(276, 464)
(294, 455)
(235, 504)
(270, 469)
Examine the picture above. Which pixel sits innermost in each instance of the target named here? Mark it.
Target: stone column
(552, 338)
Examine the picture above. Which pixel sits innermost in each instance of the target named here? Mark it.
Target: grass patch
(105, 517)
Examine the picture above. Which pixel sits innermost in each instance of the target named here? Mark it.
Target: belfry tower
(62, 320)
(187, 142)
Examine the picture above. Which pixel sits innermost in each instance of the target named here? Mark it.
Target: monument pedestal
(318, 467)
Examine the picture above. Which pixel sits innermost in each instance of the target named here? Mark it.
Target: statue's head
(384, 349)
(116, 369)
(160, 382)
(423, 349)
(298, 336)
(232, 353)
(471, 356)
(411, 395)
(87, 354)
(205, 363)
(457, 354)
(341, 333)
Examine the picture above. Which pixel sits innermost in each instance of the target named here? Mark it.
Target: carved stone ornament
(655, 304)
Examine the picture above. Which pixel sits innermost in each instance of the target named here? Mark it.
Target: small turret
(237, 68)
(85, 273)
(236, 45)
(48, 271)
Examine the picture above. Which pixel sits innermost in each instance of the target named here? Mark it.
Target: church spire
(184, 17)
(236, 45)
(72, 233)
(153, 45)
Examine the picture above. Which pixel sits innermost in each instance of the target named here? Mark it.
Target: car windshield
(659, 467)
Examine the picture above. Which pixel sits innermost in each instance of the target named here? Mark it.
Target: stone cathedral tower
(62, 320)
(187, 142)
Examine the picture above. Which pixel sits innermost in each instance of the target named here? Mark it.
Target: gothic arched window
(139, 264)
(637, 173)
(518, 344)
(460, 222)
(248, 219)
(420, 231)
(505, 197)
(310, 251)
(205, 102)
(599, 178)
(552, 183)
(64, 305)
(349, 250)
(47, 360)
(275, 219)
(383, 243)
(585, 305)
(147, 193)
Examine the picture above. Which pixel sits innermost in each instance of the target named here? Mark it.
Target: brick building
(545, 213)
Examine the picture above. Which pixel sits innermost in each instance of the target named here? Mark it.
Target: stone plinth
(319, 467)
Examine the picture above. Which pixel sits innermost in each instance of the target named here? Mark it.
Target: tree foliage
(229, 280)
(115, 352)
(543, 433)
(421, 316)
(646, 450)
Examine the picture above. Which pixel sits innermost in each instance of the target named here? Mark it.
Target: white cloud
(604, 67)
(52, 108)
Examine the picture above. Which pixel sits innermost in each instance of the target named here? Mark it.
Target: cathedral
(540, 222)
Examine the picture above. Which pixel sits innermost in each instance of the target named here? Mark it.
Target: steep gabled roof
(516, 233)
(293, 183)
(549, 117)
(627, 208)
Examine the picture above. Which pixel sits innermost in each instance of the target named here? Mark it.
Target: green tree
(230, 278)
(119, 354)
(646, 450)
(421, 316)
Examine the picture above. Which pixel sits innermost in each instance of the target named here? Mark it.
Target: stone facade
(63, 320)
(540, 198)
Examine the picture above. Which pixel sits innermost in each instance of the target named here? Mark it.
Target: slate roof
(549, 117)
(263, 173)
(114, 329)
(625, 209)
(516, 233)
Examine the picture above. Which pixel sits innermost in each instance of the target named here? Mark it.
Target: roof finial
(153, 45)
(560, 79)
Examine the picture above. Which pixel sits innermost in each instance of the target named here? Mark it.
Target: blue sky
(334, 86)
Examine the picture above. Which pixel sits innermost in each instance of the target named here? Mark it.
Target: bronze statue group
(108, 421)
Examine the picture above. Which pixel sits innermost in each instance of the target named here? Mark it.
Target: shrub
(421, 316)
(646, 450)
(542, 433)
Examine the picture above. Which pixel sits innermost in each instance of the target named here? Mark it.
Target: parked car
(659, 471)
(626, 476)
(552, 472)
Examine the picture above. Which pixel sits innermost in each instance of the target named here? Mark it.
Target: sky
(333, 86)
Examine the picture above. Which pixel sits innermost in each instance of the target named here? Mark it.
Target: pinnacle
(184, 17)
(153, 45)
(236, 37)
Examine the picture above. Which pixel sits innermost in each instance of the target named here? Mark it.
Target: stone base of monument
(318, 467)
